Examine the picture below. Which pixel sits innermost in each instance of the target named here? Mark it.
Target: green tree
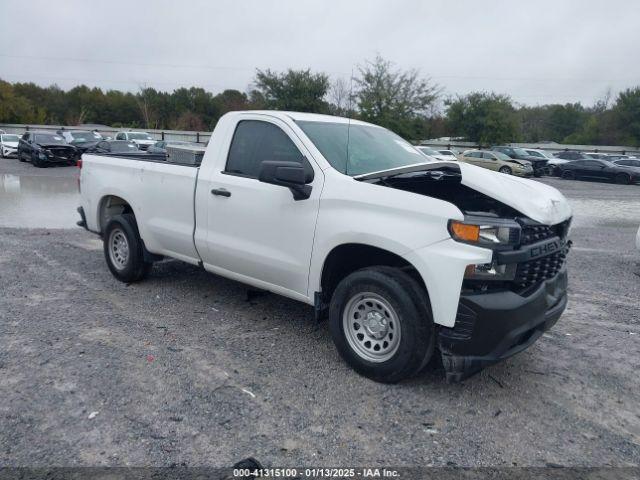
(486, 118)
(399, 100)
(626, 114)
(298, 90)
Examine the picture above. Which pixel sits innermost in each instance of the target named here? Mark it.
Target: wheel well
(346, 259)
(110, 206)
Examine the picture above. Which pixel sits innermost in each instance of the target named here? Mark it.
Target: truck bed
(160, 193)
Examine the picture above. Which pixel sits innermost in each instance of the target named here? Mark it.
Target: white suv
(142, 139)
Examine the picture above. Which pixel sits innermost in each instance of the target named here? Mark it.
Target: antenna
(346, 166)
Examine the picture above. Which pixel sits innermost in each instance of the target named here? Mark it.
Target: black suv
(539, 164)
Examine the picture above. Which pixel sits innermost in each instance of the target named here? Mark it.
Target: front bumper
(491, 327)
(9, 152)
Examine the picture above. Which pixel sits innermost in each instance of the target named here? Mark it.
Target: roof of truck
(305, 117)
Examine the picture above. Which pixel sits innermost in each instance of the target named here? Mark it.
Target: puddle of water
(38, 202)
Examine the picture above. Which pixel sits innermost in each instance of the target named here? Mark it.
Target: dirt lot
(183, 369)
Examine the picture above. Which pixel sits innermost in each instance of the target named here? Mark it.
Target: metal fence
(551, 147)
(186, 136)
(203, 137)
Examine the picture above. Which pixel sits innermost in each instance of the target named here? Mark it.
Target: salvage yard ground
(184, 368)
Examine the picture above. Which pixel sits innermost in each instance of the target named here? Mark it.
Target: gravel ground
(185, 369)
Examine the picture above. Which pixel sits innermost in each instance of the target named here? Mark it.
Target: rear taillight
(79, 163)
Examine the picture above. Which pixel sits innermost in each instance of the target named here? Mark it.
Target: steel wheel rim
(371, 327)
(118, 249)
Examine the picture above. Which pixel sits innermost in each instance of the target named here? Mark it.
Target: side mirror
(287, 174)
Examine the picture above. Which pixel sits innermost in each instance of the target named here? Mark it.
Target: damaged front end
(505, 305)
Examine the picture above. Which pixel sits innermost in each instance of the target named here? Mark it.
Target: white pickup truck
(408, 257)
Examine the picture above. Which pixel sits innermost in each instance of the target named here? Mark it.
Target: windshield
(10, 138)
(502, 156)
(429, 151)
(48, 138)
(140, 136)
(521, 152)
(370, 149)
(82, 137)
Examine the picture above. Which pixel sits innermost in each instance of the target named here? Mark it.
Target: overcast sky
(541, 52)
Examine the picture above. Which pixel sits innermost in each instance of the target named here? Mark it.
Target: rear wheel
(21, 156)
(123, 249)
(381, 324)
(505, 170)
(623, 179)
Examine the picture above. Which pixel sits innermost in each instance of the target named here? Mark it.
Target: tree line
(411, 105)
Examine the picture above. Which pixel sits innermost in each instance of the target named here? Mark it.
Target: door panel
(257, 231)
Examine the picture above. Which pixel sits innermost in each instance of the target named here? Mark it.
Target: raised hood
(536, 200)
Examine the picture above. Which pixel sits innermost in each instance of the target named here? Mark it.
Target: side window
(580, 163)
(25, 137)
(120, 136)
(625, 162)
(254, 142)
(489, 156)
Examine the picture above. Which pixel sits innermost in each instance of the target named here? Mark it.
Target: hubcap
(118, 249)
(371, 327)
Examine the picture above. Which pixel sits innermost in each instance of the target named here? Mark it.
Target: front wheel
(505, 170)
(123, 249)
(381, 324)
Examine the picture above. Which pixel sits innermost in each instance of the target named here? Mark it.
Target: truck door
(257, 232)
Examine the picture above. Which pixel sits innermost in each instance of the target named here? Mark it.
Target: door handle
(221, 192)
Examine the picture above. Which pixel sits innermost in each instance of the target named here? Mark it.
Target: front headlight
(492, 233)
(488, 233)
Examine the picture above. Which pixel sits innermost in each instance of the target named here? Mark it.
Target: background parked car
(629, 162)
(599, 170)
(597, 156)
(620, 157)
(114, 146)
(161, 146)
(81, 139)
(498, 162)
(45, 148)
(449, 153)
(142, 139)
(9, 145)
(433, 153)
(539, 164)
(572, 155)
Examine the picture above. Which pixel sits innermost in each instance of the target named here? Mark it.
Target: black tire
(537, 173)
(35, 161)
(568, 175)
(410, 305)
(21, 156)
(506, 170)
(623, 179)
(134, 268)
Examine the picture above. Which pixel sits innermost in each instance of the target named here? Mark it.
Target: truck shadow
(249, 309)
